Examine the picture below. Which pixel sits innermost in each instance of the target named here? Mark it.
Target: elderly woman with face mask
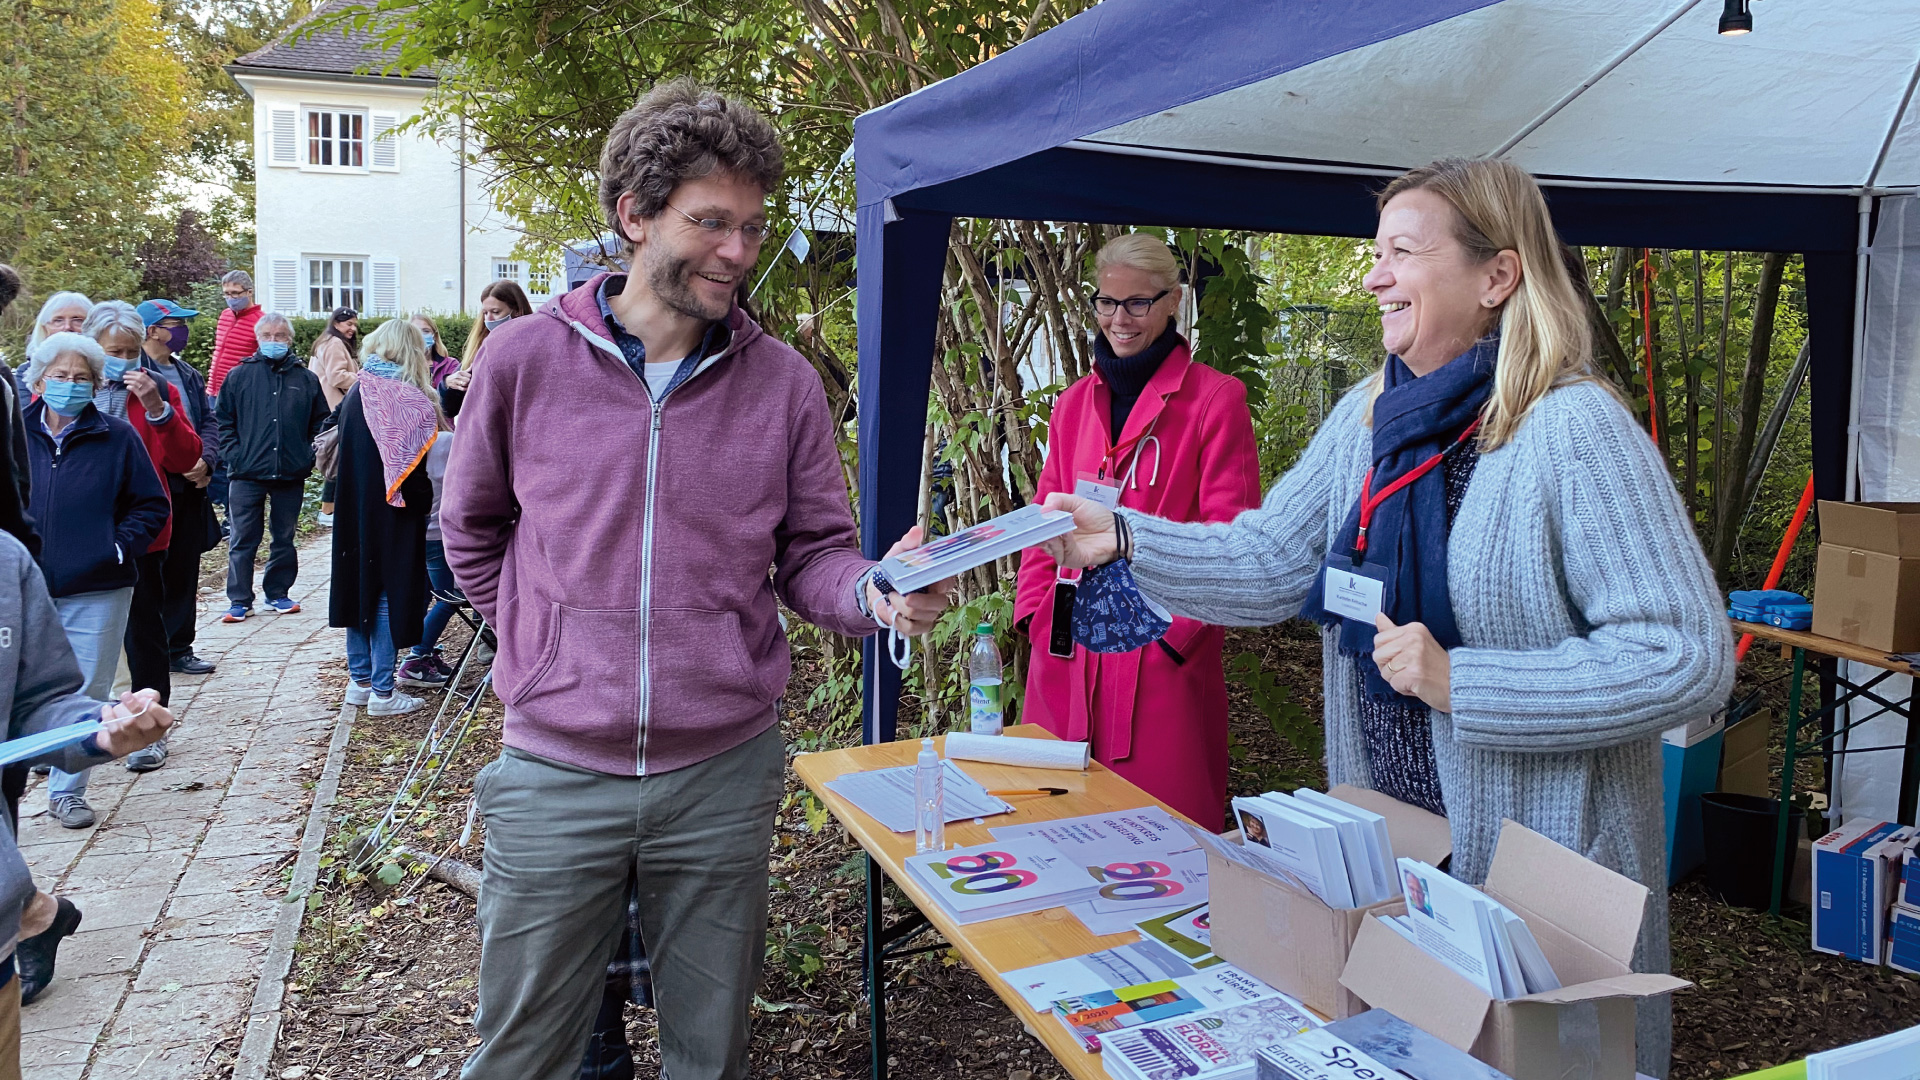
(100, 504)
(1514, 601)
(1152, 429)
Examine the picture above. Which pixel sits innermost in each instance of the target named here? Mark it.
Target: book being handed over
(977, 546)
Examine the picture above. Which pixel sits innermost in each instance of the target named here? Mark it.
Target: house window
(540, 281)
(336, 137)
(505, 270)
(336, 282)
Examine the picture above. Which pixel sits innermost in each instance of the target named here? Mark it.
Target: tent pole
(1859, 349)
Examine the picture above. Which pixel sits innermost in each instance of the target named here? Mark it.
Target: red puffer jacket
(232, 342)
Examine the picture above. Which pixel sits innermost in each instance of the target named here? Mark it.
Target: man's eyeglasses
(1136, 306)
(718, 229)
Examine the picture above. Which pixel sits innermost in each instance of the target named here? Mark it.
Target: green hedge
(205, 298)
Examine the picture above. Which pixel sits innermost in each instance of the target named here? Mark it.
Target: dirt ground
(384, 977)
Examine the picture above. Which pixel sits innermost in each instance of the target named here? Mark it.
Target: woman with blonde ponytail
(1514, 603)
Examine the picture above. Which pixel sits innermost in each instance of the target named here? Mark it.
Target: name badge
(1351, 595)
(1096, 489)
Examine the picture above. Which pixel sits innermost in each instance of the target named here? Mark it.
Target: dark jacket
(269, 412)
(100, 503)
(14, 497)
(195, 529)
(377, 548)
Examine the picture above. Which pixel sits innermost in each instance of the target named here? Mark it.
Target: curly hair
(680, 131)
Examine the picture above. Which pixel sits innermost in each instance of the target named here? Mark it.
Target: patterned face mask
(1112, 615)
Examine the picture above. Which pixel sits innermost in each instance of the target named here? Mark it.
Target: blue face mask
(273, 350)
(427, 336)
(238, 303)
(1111, 614)
(116, 369)
(67, 398)
(495, 324)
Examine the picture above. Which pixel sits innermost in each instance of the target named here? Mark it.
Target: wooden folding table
(991, 947)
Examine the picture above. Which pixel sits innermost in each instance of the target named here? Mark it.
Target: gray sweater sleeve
(1256, 569)
(47, 681)
(1656, 645)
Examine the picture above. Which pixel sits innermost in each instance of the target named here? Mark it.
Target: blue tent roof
(1645, 126)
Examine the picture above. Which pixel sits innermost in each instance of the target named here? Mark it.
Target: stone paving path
(180, 882)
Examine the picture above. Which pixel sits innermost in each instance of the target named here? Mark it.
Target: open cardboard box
(1867, 575)
(1586, 919)
(1288, 937)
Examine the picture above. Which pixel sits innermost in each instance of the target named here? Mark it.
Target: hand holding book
(913, 613)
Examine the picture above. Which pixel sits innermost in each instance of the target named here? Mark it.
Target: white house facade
(354, 210)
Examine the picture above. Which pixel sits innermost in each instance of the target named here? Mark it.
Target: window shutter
(286, 286)
(282, 138)
(385, 286)
(385, 141)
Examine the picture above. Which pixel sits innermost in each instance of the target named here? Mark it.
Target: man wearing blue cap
(195, 530)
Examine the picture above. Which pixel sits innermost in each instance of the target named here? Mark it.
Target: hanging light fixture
(1736, 19)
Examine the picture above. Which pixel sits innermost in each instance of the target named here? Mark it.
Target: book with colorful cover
(976, 546)
(1088, 1016)
(1145, 863)
(1006, 877)
(1216, 1044)
(1371, 1046)
(1188, 932)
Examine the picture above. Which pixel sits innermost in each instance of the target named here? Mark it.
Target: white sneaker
(393, 704)
(326, 520)
(357, 693)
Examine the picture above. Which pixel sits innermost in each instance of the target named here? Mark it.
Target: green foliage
(1233, 327)
(796, 949)
(1275, 701)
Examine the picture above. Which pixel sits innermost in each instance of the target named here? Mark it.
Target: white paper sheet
(886, 795)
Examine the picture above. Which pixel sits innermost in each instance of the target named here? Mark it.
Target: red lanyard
(1370, 502)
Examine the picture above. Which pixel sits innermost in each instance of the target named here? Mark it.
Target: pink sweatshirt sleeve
(817, 556)
(477, 510)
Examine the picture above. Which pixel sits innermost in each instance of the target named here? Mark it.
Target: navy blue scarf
(1414, 418)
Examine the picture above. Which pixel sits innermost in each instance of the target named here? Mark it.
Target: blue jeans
(95, 623)
(442, 612)
(370, 656)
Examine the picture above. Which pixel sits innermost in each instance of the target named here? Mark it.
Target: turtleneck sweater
(1127, 375)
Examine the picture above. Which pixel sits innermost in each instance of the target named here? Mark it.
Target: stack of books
(1215, 1044)
(1007, 877)
(1144, 864)
(1472, 933)
(1373, 1045)
(1334, 849)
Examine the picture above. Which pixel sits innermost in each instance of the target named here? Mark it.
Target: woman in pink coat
(1171, 437)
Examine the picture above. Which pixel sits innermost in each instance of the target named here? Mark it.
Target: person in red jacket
(1161, 432)
(233, 339)
(134, 392)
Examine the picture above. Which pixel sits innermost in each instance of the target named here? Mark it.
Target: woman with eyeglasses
(99, 504)
(1153, 430)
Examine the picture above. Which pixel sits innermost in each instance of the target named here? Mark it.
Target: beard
(670, 276)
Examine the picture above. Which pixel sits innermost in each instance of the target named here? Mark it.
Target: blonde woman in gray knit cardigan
(1514, 600)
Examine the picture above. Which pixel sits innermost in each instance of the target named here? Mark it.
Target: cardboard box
(1855, 869)
(1867, 576)
(1288, 937)
(1903, 939)
(1586, 919)
(1743, 756)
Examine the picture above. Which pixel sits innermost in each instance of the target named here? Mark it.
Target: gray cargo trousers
(560, 844)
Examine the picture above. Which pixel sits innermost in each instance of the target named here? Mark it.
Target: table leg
(876, 970)
(1786, 779)
(1910, 766)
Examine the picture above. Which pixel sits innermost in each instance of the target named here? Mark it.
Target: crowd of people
(643, 475)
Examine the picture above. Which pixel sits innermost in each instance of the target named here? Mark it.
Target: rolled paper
(1030, 753)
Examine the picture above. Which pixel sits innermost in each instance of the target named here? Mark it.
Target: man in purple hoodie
(640, 472)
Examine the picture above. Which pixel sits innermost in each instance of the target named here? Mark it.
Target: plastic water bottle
(985, 715)
(929, 801)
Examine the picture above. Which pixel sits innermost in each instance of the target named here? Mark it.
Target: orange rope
(1646, 317)
(1780, 557)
